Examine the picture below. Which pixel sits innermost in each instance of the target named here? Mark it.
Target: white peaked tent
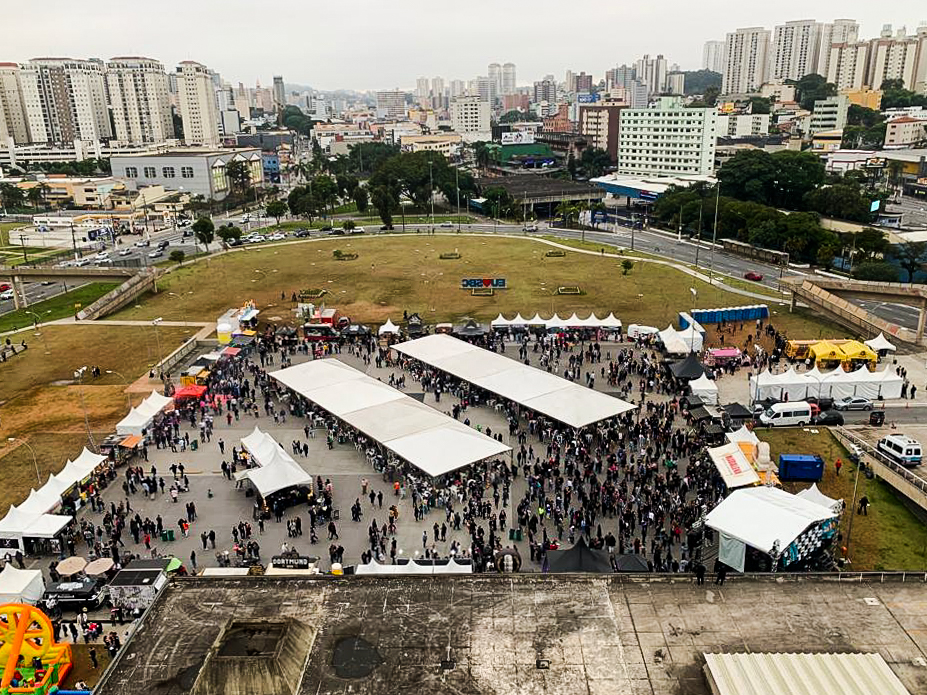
(672, 342)
(812, 494)
(276, 470)
(21, 586)
(591, 321)
(611, 322)
(796, 386)
(19, 524)
(141, 416)
(413, 567)
(705, 388)
(501, 321)
(879, 343)
(388, 327)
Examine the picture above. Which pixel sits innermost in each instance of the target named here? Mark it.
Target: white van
(787, 414)
(901, 449)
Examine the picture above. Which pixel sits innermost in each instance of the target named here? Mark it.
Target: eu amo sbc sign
(479, 283)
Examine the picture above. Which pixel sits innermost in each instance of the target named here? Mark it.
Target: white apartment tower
(279, 93)
(795, 47)
(508, 79)
(713, 56)
(745, 60)
(848, 65)
(139, 100)
(470, 117)
(197, 99)
(652, 72)
(839, 31)
(391, 104)
(495, 77)
(65, 100)
(667, 139)
(896, 58)
(12, 114)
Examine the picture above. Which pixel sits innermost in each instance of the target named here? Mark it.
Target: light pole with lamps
(35, 460)
(124, 381)
(183, 306)
(79, 375)
(155, 323)
(35, 326)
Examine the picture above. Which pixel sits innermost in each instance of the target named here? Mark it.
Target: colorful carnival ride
(33, 662)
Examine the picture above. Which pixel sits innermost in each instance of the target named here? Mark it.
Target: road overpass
(829, 295)
(17, 276)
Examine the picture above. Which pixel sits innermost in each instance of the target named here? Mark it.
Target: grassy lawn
(5, 229)
(393, 274)
(890, 537)
(39, 403)
(57, 307)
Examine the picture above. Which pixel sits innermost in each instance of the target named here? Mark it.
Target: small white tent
(388, 327)
(879, 343)
(705, 388)
(21, 586)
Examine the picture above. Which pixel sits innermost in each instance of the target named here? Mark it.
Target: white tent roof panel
(446, 448)
(18, 586)
(361, 393)
(541, 391)
(733, 465)
(880, 342)
(396, 419)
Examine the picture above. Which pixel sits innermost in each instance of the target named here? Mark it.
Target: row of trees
(796, 181)
(13, 197)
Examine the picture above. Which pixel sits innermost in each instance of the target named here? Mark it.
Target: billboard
(521, 137)
(474, 283)
(587, 98)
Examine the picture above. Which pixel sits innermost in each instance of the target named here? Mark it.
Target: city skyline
(371, 58)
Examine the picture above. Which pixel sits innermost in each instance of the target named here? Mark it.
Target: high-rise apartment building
(746, 54)
(713, 56)
(667, 139)
(279, 93)
(13, 122)
(848, 65)
(508, 79)
(675, 83)
(391, 104)
(652, 72)
(486, 89)
(599, 124)
(422, 89)
(495, 76)
(139, 101)
(838, 31)
(581, 83)
(470, 117)
(545, 90)
(197, 100)
(621, 76)
(65, 100)
(795, 49)
(456, 88)
(896, 57)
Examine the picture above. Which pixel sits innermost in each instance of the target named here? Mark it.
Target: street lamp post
(79, 375)
(457, 186)
(35, 460)
(124, 381)
(155, 323)
(431, 191)
(714, 235)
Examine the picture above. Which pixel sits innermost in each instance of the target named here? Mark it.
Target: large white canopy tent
(276, 470)
(413, 567)
(141, 416)
(534, 389)
(21, 586)
(431, 441)
(760, 517)
(610, 322)
(796, 386)
(18, 525)
(705, 388)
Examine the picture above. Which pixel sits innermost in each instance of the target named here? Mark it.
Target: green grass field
(396, 273)
(55, 308)
(890, 537)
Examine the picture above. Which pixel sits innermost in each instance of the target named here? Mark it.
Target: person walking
(699, 573)
(93, 657)
(838, 464)
(193, 559)
(332, 530)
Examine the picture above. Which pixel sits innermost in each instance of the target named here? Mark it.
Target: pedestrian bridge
(828, 295)
(18, 276)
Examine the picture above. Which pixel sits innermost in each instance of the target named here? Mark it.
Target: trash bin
(164, 536)
(194, 445)
(514, 534)
(170, 534)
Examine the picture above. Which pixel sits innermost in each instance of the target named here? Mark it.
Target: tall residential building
(486, 89)
(65, 100)
(279, 93)
(391, 104)
(621, 76)
(745, 60)
(470, 117)
(838, 31)
(508, 79)
(196, 95)
(896, 57)
(675, 83)
(495, 76)
(580, 83)
(848, 65)
(599, 124)
(652, 72)
(667, 139)
(545, 90)
(139, 101)
(422, 90)
(713, 56)
(13, 122)
(456, 88)
(830, 114)
(795, 49)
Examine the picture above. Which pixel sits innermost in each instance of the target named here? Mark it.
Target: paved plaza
(343, 465)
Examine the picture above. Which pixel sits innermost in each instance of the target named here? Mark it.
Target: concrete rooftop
(600, 635)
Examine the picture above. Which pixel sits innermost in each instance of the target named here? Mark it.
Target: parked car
(278, 236)
(234, 242)
(756, 277)
(6, 296)
(446, 225)
(157, 253)
(387, 228)
(81, 262)
(853, 403)
(326, 228)
(530, 228)
(163, 244)
(102, 255)
(829, 418)
(357, 230)
(125, 252)
(336, 232)
(143, 243)
(4, 286)
(302, 233)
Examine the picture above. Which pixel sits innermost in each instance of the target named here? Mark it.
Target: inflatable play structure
(33, 662)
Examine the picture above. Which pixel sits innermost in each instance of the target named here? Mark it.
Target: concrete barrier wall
(120, 296)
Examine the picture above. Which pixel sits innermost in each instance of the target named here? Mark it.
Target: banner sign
(298, 562)
(518, 137)
(474, 283)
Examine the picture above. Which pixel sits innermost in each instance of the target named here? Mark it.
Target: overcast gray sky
(377, 44)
